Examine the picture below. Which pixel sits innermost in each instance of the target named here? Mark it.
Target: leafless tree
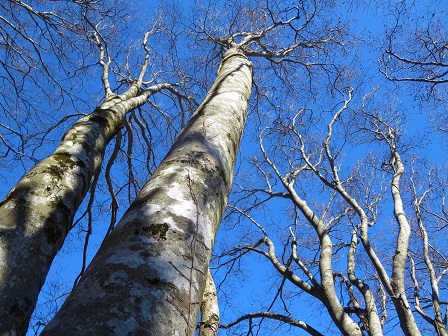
(38, 212)
(44, 51)
(357, 231)
(350, 246)
(157, 256)
(415, 51)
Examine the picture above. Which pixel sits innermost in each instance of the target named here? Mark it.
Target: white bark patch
(127, 257)
(146, 210)
(75, 149)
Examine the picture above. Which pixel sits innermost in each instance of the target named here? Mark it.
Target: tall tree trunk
(149, 275)
(37, 213)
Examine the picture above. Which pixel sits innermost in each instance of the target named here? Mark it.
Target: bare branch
(278, 317)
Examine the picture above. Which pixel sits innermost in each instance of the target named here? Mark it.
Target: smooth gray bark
(397, 280)
(149, 275)
(37, 213)
(372, 320)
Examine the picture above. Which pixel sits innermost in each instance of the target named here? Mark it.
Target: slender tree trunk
(37, 213)
(397, 281)
(149, 275)
(209, 309)
(343, 321)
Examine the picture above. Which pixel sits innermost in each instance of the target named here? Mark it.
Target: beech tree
(209, 324)
(38, 212)
(158, 254)
(46, 51)
(416, 52)
(180, 208)
(337, 205)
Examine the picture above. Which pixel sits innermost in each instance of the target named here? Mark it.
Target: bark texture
(37, 213)
(209, 309)
(149, 275)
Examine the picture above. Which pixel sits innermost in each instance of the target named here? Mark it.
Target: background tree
(209, 324)
(415, 55)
